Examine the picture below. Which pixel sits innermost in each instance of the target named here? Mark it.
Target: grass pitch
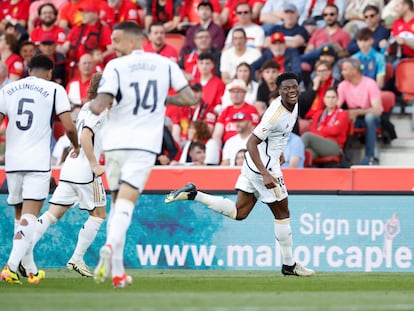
(191, 290)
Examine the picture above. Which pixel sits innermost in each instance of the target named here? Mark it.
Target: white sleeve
(62, 100)
(3, 106)
(109, 82)
(178, 80)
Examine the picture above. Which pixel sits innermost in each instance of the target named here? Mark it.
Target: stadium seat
(403, 83)
(308, 158)
(176, 40)
(58, 130)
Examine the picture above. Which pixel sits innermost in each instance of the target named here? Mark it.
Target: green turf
(187, 290)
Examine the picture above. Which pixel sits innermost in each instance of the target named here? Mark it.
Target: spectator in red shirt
(228, 15)
(70, 15)
(116, 11)
(15, 12)
(225, 126)
(184, 115)
(156, 44)
(190, 14)
(14, 63)
(213, 86)
(90, 35)
(165, 11)
(47, 18)
(77, 88)
(403, 27)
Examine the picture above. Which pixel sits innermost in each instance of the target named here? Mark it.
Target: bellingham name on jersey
(27, 86)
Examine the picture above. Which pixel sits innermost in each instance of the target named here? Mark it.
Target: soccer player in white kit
(261, 176)
(31, 104)
(132, 136)
(79, 183)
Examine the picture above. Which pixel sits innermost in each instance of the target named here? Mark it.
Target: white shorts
(128, 166)
(88, 196)
(27, 186)
(252, 182)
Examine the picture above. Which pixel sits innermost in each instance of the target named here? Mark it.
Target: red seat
(403, 83)
(308, 158)
(176, 40)
(58, 130)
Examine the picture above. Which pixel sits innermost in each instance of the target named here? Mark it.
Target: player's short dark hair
(129, 27)
(409, 3)
(286, 76)
(41, 62)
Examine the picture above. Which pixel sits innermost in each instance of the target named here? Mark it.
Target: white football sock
(283, 233)
(120, 222)
(22, 246)
(86, 236)
(42, 224)
(218, 204)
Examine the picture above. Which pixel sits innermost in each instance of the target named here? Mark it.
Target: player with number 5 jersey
(135, 87)
(31, 105)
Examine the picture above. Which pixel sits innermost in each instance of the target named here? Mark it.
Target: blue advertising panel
(330, 233)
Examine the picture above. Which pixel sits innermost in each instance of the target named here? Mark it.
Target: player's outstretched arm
(184, 98)
(101, 102)
(71, 131)
(86, 141)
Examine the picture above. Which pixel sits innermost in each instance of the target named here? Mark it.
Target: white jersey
(30, 105)
(139, 83)
(77, 170)
(274, 130)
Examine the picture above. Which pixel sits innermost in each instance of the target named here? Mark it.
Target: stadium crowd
(344, 51)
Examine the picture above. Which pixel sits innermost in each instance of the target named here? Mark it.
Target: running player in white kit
(31, 104)
(132, 137)
(261, 176)
(79, 183)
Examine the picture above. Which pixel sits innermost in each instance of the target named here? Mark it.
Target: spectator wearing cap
(188, 61)
(182, 116)
(239, 52)
(287, 58)
(254, 33)
(206, 21)
(310, 25)
(115, 11)
(190, 13)
(372, 18)
(156, 44)
(14, 12)
(229, 16)
(225, 126)
(165, 11)
(244, 127)
(327, 53)
(331, 34)
(372, 61)
(47, 18)
(47, 46)
(362, 97)
(296, 36)
(88, 36)
(13, 61)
